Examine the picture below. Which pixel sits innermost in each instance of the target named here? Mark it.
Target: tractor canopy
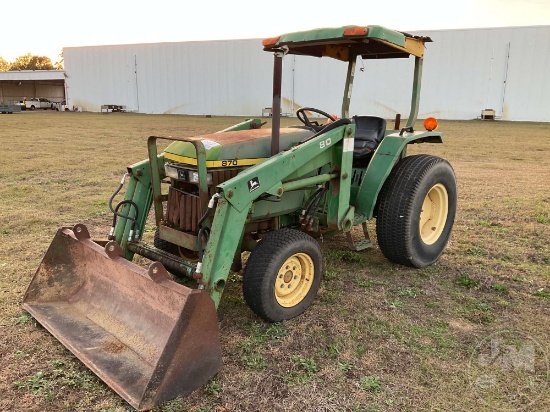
(348, 42)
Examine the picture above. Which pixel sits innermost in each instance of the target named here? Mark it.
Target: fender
(392, 149)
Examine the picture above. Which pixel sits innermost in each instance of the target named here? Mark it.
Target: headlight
(185, 175)
(171, 171)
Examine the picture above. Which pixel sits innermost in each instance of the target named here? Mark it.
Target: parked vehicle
(11, 107)
(39, 103)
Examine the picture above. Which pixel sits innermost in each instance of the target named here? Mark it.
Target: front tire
(416, 210)
(282, 275)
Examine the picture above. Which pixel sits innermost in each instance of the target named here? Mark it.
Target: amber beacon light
(430, 124)
(272, 41)
(355, 31)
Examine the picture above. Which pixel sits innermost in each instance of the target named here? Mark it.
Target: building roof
(23, 75)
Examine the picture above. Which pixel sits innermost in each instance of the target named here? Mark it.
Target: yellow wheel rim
(294, 280)
(188, 255)
(434, 214)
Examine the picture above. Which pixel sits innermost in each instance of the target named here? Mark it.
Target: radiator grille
(184, 208)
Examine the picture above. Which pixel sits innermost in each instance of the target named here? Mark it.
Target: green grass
(542, 293)
(467, 282)
(379, 336)
(372, 384)
(304, 369)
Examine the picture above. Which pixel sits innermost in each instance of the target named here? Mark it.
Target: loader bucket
(150, 339)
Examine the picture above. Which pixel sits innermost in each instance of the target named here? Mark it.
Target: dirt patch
(113, 347)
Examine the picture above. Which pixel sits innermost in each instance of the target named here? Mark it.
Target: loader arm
(140, 192)
(271, 177)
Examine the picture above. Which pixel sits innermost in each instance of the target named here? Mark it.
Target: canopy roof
(348, 42)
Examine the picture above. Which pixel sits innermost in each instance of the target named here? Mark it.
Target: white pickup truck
(39, 103)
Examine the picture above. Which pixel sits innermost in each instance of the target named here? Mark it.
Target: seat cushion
(369, 132)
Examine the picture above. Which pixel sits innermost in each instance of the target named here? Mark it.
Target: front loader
(269, 192)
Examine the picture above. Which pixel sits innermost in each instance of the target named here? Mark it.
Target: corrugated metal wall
(465, 71)
(505, 69)
(216, 77)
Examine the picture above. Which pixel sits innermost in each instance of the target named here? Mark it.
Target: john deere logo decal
(253, 184)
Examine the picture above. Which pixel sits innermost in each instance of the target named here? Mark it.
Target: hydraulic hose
(203, 231)
(117, 214)
(307, 216)
(134, 219)
(116, 191)
(309, 201)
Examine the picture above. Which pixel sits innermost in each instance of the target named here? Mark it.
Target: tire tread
(265, 260)
(395, 203)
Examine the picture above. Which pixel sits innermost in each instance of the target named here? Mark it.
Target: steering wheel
(302, 116)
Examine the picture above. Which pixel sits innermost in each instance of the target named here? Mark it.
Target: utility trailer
(10, 108)
(272, 192)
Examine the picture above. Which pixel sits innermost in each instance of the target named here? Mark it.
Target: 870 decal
(226, 163)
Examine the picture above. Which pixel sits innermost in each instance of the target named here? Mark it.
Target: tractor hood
(236, 148)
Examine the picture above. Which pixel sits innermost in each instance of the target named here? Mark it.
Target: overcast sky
(44, 27)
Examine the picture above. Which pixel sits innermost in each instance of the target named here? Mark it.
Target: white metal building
(465, 71)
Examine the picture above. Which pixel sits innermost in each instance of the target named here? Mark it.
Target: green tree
(60, 64)
(30, 62)
(4, 65)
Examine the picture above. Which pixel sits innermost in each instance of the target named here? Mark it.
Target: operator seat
(369, 132)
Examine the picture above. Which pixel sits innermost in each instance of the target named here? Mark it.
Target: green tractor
(270, 192)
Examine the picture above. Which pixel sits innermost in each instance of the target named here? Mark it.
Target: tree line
(31, 62)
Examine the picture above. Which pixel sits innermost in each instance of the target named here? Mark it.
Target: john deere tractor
(271, 192)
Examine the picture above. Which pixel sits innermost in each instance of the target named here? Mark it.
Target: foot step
(360, 244)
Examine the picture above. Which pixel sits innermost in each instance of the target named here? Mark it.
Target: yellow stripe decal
(214, 163)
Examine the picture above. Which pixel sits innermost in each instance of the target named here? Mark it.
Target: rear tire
(416, 210)
(282, 275)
